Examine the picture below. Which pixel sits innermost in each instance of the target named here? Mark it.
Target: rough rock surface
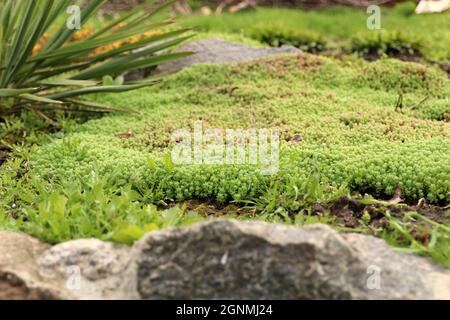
(91, 268)
(221, 51)
(219, 259)
(402, 270)
(19, 271)
(255, 260)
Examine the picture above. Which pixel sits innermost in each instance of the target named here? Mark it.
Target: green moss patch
(342, 110)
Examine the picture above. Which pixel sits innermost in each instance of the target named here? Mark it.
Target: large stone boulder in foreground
(219, 259)
(255, 260)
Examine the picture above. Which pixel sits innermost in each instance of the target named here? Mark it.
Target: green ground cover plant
(276, 36)
(96, 207)
(351, 133)
(343, 134)
(340, 26)
(395, 43)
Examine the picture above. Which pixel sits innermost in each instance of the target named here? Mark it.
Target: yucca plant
(63, 69)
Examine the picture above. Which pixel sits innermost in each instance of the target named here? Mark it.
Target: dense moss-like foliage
(277, 36)
(343, 110)
(392, 75)
(393, 43)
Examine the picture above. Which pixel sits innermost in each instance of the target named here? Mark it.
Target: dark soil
(417, 57)
(349, 212)
(212, 208)
(445, 67)
(346, 213)
(4, 152)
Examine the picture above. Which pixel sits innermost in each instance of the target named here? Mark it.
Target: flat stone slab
(220, 51)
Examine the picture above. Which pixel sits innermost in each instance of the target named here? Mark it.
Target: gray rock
(401, 270)
(225, 259)
(220, 51)
(79, 269)
(91, 268)
(19, 271)
(219, 259)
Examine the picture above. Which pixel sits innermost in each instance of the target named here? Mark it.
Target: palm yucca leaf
(65, 69)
